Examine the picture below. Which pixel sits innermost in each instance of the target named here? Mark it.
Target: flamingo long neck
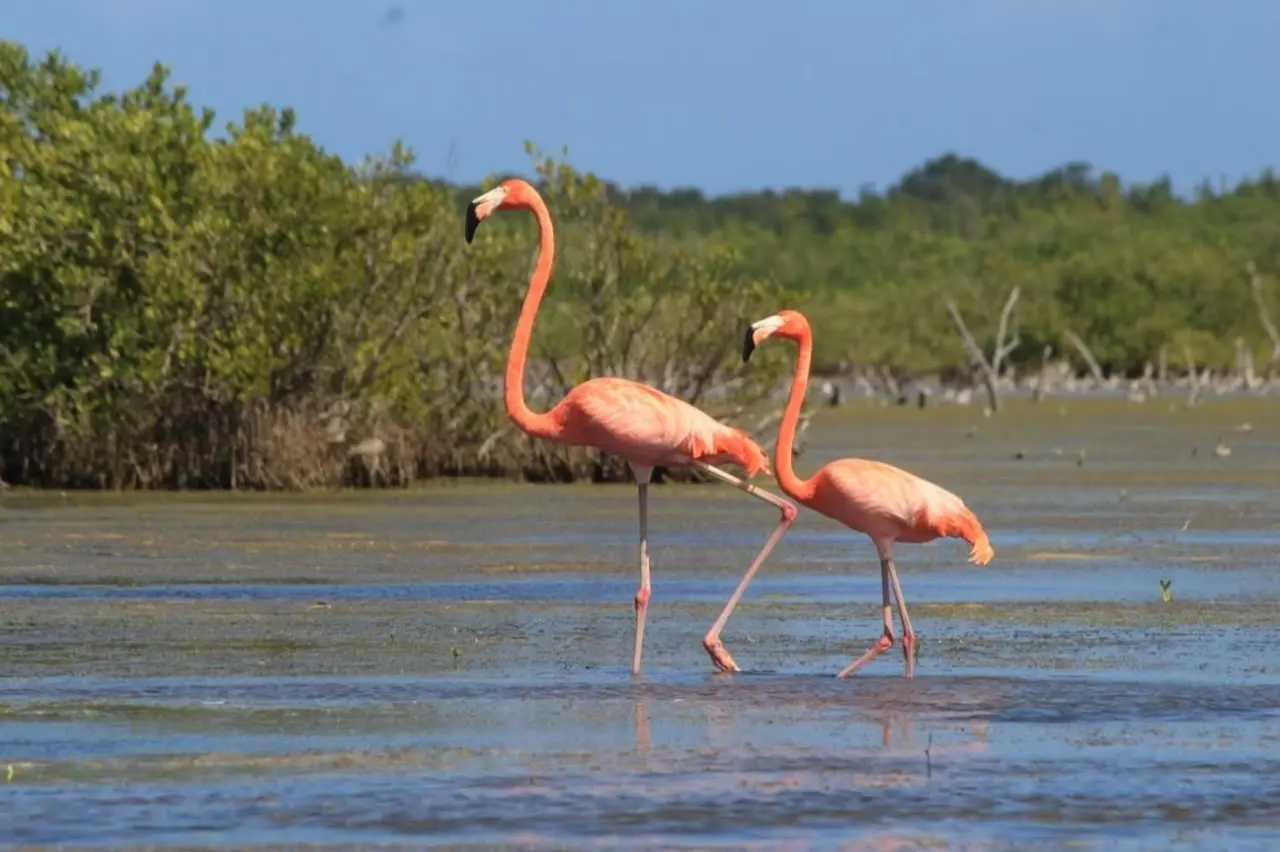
(530, 422)
(792, 485)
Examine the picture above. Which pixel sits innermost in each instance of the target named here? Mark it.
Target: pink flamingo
(644, 426)
(882, 501)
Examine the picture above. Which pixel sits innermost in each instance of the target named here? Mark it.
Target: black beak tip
(748, 345)
(473, 222)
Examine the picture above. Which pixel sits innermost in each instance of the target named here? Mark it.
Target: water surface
(449, 666)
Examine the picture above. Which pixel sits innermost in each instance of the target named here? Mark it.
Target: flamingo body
(890, 504)
(649, 428)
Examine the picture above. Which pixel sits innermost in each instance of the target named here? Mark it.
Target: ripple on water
(1107, 716)
(749, 758)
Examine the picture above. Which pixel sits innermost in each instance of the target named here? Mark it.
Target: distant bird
(884, 502)
(641, 424)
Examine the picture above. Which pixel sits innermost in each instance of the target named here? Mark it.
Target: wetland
(449, 665)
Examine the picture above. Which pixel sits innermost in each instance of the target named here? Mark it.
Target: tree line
(1128, 268)
(245, 310)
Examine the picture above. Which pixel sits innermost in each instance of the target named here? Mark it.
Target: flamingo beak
(759, 332)
(473, 222)
(480, 208)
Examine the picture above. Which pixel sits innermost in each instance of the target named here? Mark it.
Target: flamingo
(644, 426)
(884, 502)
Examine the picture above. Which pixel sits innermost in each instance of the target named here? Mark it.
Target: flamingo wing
(890, 503)
(647, 426)
(878, 495)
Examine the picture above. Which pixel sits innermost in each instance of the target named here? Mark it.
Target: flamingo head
(789, 324)
(510, 194)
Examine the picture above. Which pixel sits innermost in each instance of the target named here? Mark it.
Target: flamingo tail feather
(965, 524)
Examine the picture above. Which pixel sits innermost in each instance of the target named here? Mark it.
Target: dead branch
(1042, 381)
(1244, 366)
(1003, 350)
(1148, 378)
(1264, 315)
(989, 369)
(1086, 354)
(486, 448)
(890, 382)
(1193, 378)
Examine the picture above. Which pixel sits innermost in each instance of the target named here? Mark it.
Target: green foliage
(1128, 269)
(249, 312)
(183, 311)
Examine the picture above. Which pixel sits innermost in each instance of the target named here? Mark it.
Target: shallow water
(450, 666)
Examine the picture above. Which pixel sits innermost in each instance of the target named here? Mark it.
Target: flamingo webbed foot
(642, 609)
(884, 643)
(720, 656)
(909, 653)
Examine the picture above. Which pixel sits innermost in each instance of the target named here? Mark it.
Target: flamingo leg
(642, 594)
(712, 643)
(642, 726)
(885, 642)
(908, 635)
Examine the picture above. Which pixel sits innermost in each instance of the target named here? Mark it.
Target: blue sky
(725, 96)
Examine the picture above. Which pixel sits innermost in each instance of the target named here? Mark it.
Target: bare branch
(891, 386)
(1042, 381)
(971, 346)
(1002, 351)
(1193, 378)
(1086, 354)
(1264, 315)
(487, 446)
(1244, 365)
(976, 357)
(1002, 354)
(1255, 284)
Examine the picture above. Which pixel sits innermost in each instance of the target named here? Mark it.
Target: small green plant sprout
(1165, 592)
